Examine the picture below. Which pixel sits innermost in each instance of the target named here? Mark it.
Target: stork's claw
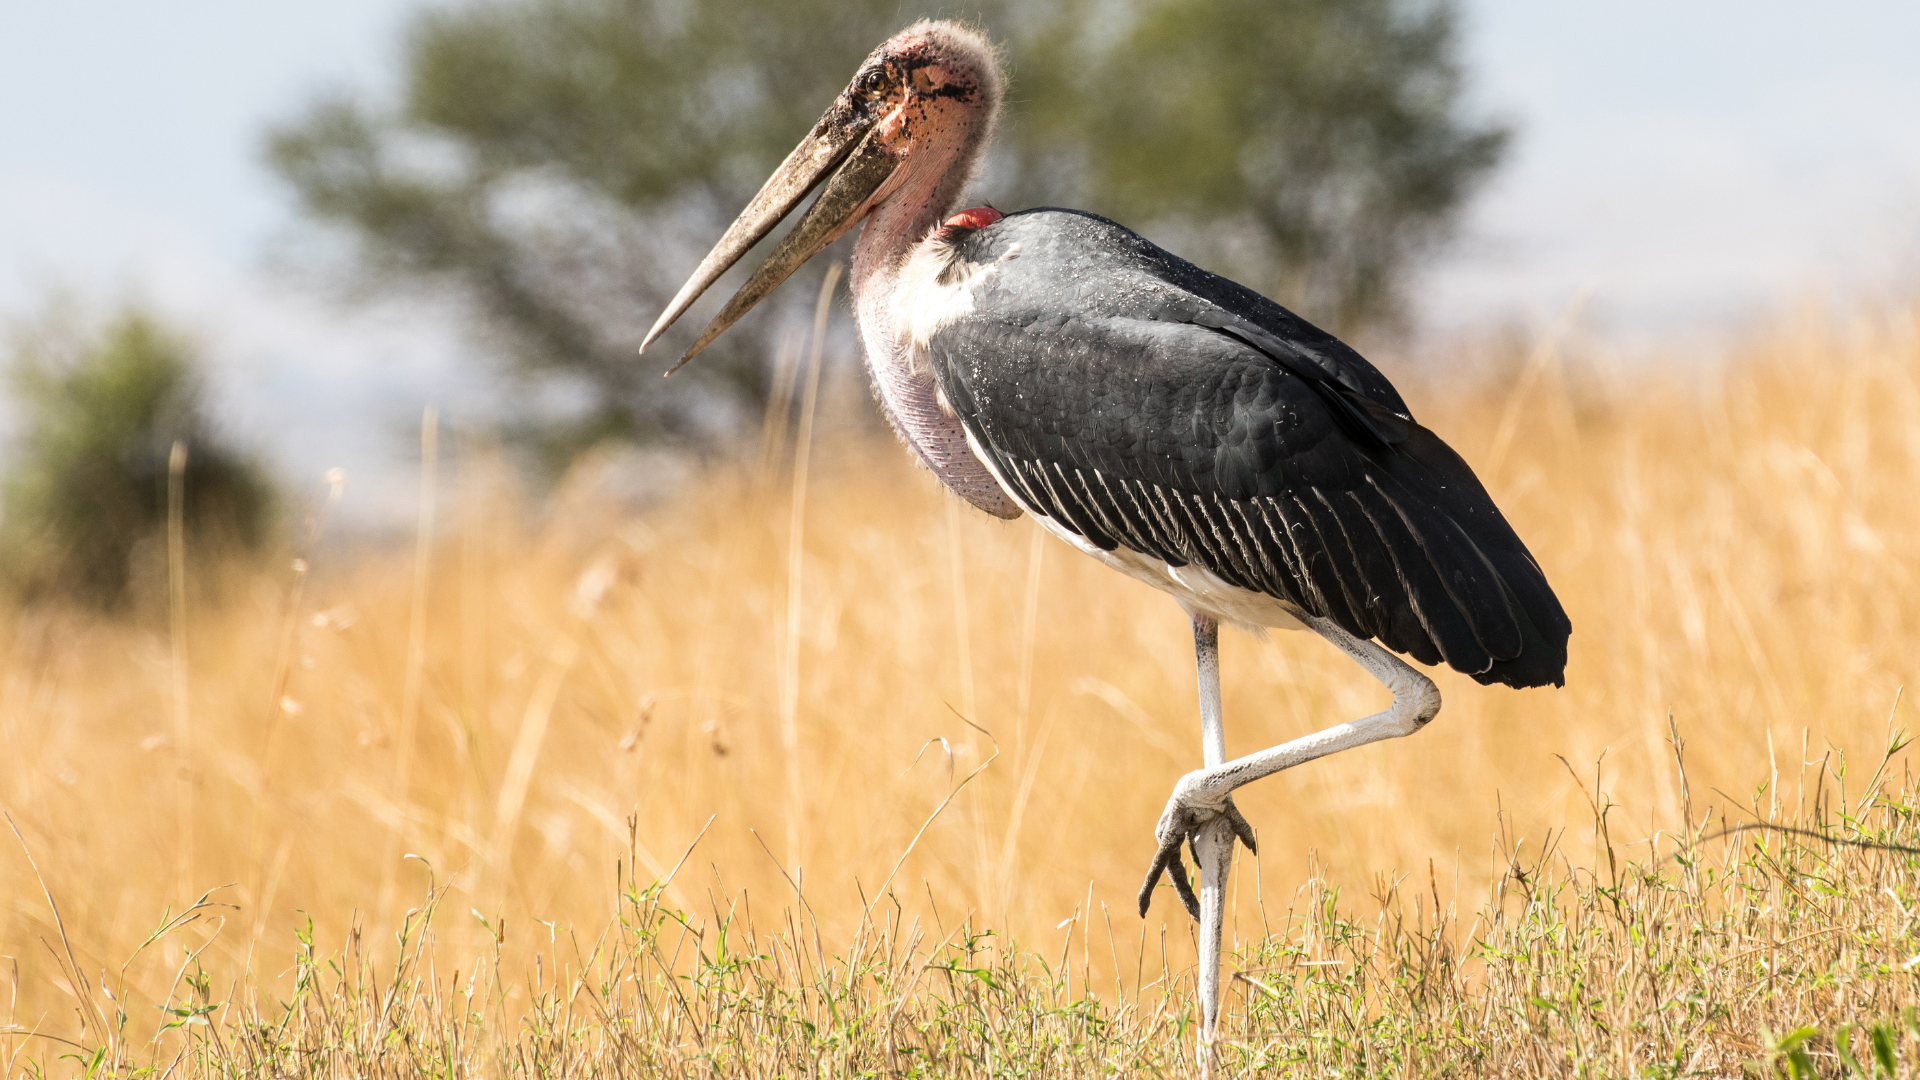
(1168, 859)
(1185, 815)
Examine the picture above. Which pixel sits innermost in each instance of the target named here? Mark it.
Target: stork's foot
(1187, 812)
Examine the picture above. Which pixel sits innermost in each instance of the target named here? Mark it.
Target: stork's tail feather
(1479, 598)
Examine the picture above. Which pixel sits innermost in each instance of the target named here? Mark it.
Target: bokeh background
(441, 568)
(1688, 167)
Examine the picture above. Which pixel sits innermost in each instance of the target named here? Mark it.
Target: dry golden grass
(1734, 542)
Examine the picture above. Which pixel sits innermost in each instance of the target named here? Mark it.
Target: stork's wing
(1143, 403)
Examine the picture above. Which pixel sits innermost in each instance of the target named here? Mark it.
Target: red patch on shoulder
(977, 218)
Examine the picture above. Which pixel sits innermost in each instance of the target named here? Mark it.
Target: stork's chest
(899, 314)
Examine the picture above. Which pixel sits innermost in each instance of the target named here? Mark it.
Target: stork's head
(907, 128)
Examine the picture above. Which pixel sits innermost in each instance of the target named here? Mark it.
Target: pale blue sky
(1691, 163)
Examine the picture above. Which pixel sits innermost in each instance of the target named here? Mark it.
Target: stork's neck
(931, 181)
(902, 223)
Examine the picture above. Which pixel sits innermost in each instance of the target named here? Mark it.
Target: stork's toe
(1168, 859)
(1241, 827)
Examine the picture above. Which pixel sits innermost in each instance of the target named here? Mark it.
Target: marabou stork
(1181, 428)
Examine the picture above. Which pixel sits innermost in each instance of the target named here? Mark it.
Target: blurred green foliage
(560, 165)
(86, 487)
(1319, 134)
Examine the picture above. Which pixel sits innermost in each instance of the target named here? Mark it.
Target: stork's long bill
(856, 148)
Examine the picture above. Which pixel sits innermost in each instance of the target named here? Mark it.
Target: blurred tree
(1313, 148)
(562, 164)
(86, 494)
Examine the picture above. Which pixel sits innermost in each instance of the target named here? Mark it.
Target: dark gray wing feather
(1144, 403)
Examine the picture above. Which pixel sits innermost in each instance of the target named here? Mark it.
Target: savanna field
(811, 771)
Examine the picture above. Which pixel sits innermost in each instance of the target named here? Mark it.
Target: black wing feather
(1144, 403)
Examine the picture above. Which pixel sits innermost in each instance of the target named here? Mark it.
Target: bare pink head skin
(895, 152)
(898, 146)
(948, 97)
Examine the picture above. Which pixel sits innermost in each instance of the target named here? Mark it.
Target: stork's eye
(872, 81)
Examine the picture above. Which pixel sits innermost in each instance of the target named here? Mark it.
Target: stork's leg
(1213, 841)
(1204, 797)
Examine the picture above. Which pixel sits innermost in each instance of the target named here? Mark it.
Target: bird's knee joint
(1419, 703)
(1203, 789)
